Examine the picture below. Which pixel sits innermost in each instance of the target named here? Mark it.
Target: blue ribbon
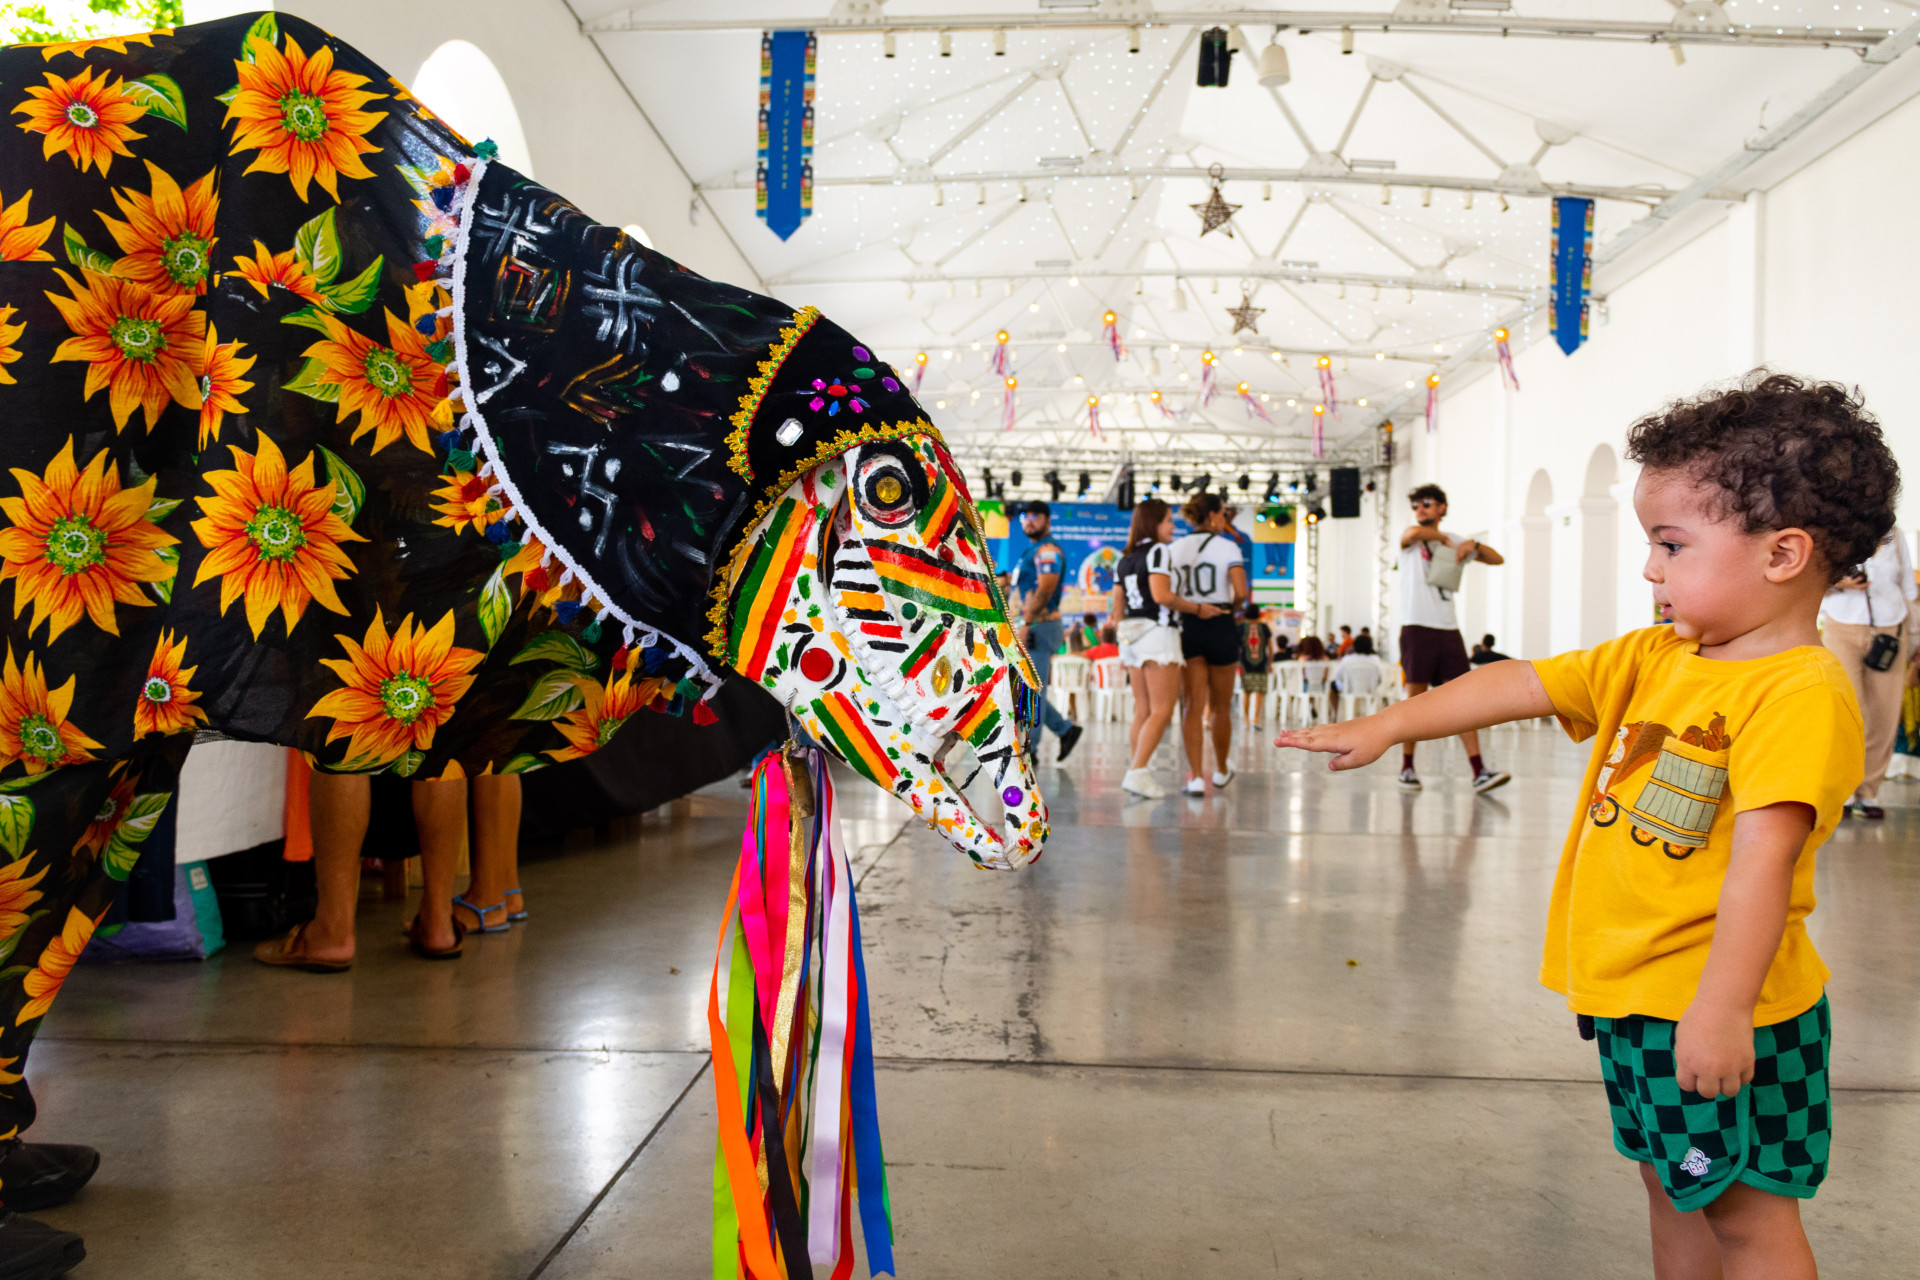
(876, 1218)
(786, 94)
(1572, 270)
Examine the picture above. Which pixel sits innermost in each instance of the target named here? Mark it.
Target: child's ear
(1790, 553)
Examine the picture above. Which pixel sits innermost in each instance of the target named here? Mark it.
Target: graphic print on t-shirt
(1686, 776)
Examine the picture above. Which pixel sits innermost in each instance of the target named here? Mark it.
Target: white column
(1746, 284)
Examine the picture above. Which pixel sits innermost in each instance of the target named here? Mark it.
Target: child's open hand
(1713, 1050)
(1352, 743)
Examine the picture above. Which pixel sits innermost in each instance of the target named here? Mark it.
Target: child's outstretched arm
(1489, 695)
(1713, 1045)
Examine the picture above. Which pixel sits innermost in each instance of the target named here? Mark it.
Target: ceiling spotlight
(1133, 39)
(886, 44)
(1086, 482)
(1503, 204)
(1139, 333)
(1033, 307)
(999, 42)
(946, 44)
(1179, 298)
(1061, 347)
(1173, 479)
(1346, 39)
(1426, 197)
(1014, 478)
(1073, 282)
(1379, 355)
(1362, 402)
(1246, 482)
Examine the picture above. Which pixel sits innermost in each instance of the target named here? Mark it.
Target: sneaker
(40, 1175)
(1140, 782)
(1222, 778)
(32, 1250)
(1068, 741)
(1486, 780)
(1196, 786)
(1409, 780)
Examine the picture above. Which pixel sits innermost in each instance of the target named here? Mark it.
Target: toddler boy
(1729, 743)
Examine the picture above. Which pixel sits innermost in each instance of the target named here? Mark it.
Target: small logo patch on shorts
(1696, 1162)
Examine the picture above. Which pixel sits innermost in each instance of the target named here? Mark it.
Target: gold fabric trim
(803, 320)
(722, 589)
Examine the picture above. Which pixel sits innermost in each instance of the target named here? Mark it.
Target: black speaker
(1216, 60)
(1346, 492)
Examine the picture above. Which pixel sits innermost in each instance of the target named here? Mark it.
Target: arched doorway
(460, 84)
(1599, 548)
(1536, 554)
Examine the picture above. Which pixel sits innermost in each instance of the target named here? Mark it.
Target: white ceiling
(926, 265)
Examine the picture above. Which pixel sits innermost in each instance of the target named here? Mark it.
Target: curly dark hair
(1783, 453)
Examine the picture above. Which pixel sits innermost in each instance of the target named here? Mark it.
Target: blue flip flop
(480, 914)
(515, 917)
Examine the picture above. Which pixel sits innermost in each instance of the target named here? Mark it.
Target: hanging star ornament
(1246, 315)
(1215, 213)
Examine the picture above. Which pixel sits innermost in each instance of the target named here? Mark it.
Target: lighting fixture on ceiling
(946, 44)
(1246, 482)
(1474, 6)
(1274, 71)
(999, 42)
(1346, 40)
(1014, 478)
(1378, 166)
(1216, 60)
(886, 44)
(1179, 299)
(1133, 39)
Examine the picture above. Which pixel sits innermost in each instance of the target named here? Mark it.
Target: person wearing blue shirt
(1038, 581)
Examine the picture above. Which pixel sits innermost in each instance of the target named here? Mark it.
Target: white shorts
(1142, 640)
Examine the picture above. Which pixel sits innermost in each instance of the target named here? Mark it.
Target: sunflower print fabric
(243, 488)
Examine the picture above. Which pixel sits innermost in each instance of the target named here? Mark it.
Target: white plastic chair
(1112, 695)
(1307, 694)
(1363, 689)
(1071, 686)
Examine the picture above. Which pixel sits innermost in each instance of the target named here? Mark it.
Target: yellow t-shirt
(1686, 743)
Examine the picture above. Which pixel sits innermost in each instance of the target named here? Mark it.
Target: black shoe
(40, 1175)
(31, 1250)
(1068, 741)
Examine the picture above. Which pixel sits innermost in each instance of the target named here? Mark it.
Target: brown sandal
(290, 952)
(426, 952)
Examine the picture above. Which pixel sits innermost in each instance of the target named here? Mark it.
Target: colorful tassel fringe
(793, 1053)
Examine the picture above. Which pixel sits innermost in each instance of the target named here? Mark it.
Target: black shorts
(1216, 639)
(1431, 656)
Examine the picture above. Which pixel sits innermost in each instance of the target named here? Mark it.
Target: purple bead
(860, 354)
(889, 384)
(1011, 795)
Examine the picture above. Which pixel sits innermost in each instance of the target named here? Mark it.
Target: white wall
(587, 138)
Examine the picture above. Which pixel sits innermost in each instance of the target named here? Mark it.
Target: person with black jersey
(1144, 607)
(1208, 570)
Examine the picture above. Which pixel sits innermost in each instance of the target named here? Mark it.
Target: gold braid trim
(777, 354)
(722, 589)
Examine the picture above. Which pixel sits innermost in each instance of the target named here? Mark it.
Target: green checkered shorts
(1773, 1134)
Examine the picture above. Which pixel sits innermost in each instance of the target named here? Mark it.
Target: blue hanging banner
(783, 186)
(1572, 270)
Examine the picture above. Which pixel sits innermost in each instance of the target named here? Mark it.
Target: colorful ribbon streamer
(1112, 335)
(1319, 431)
(793, 1056)
(1093, 416)
(1329, 393)
(783, 178)
(1007, 406)
(1505, 355)
(998, 361)
(1209, 387)
(1433, 402)
(1252, 402)
(919, 370)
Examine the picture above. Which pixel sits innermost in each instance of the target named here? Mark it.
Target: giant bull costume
(326, 429)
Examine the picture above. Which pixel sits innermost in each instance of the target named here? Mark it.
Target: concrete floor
(1289, 1030)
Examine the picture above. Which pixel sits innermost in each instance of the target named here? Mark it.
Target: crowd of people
(1183, 624)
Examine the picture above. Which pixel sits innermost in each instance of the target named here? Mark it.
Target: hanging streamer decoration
(1007, 405)
(1113, 336)
(1209, 386)
(1252, 402)
(793, 1048)
(1433, 401)
(1572, 270)
(919, 370)
(1319, 431)
(783, 182)
(999, 360)
(1329, 393)
(1167, 411)
(1504, 352)
(1093, 416)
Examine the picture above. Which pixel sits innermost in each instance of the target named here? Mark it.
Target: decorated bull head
(868, 606)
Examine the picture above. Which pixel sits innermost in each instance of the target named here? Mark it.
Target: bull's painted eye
(884, 485)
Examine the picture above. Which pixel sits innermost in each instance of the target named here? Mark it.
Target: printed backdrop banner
(1572, 270)
(1093, 535)
(784, 180)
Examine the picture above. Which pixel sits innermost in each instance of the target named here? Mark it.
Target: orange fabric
(298, 822)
